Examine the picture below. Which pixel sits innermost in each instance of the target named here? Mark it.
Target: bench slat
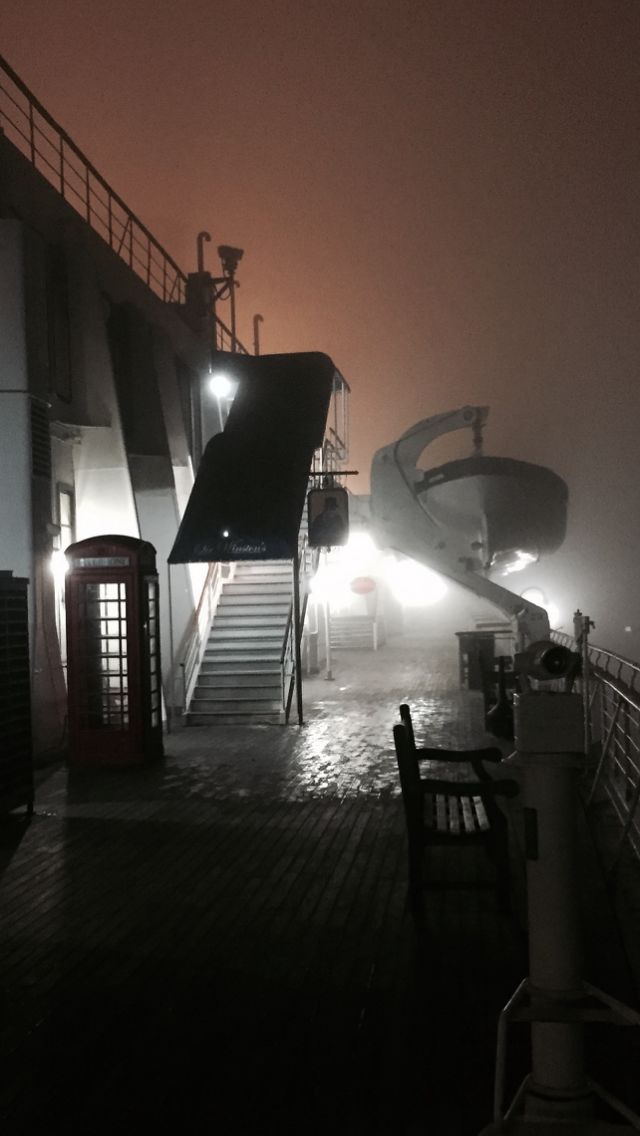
(454, 816)
(467, 810)
(482, 819)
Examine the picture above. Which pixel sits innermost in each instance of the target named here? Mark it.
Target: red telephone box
(113, 652)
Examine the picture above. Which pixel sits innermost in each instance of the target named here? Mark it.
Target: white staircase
(240, 674)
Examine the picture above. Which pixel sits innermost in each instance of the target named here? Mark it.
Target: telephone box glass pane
(103, 695)
(153, 650)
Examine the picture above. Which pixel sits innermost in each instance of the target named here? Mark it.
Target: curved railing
(611, 689)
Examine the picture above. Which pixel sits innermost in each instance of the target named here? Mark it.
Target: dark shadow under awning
(250, 489)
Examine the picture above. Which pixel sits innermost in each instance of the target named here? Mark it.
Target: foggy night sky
(442, 195)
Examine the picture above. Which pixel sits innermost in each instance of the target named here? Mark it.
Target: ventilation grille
(16, 780)
(40, 441)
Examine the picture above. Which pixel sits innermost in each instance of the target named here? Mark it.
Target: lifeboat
(506, 511)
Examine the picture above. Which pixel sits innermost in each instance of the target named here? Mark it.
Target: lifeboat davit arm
(402, 522)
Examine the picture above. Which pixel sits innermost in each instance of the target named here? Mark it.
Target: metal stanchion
(327, 637)
(582, 625)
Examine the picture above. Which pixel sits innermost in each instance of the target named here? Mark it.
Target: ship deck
(220, 942)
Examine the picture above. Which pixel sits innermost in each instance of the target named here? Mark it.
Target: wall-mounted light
(221, 385)
(59, 566)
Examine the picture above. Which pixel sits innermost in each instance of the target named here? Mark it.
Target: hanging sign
(328, 517)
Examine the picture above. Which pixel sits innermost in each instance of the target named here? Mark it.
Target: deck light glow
(220, 384)
(59, 566)
(412, 584)
(537, 596)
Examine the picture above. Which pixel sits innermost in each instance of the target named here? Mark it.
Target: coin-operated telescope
(545, 661)
(554, 999)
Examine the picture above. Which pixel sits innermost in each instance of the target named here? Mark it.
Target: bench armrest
(491, 753)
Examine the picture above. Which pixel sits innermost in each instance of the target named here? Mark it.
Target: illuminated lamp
(537, 596)
(412, 584)
(220, 384)
(59, 565)
(363, 585)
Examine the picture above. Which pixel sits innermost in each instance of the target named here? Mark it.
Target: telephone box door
(113, 652)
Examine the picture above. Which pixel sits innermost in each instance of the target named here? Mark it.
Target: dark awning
(250, 489)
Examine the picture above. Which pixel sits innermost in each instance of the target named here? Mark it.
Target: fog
(441, 196)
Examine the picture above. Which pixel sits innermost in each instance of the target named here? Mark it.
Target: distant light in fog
(536, 596)
(412, 584)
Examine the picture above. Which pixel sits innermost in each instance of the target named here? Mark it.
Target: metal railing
(51, 151)
(227, 341)
(194, 640)
(611, 689)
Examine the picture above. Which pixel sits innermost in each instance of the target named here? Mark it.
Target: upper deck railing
(36, 134)
(51, 151)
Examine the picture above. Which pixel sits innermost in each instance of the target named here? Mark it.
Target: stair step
(236, 665)
(260, 604)
(233, 718)
(234, 705)
(250, 696)
(259, 582)
(247, 634)
(252, 598)
(225, 620)
(257, 572)
(267, 680)
(251, 588)
(241, 655)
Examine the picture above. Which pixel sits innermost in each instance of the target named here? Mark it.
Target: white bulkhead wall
(16, 539)
(103, 494)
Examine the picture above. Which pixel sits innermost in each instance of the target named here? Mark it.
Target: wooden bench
(451, 810)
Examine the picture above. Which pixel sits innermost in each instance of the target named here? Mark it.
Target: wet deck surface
(220, 943)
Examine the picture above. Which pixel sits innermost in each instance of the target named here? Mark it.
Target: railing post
(581, 627)
(327, 636)
(297, 634)
(32, 137)
(87, 190)
(172, 672)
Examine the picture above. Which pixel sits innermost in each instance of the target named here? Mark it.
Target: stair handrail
(194, 640)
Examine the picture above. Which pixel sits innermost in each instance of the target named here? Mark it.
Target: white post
(297, 629)
(557, 1095)
(327, 636)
